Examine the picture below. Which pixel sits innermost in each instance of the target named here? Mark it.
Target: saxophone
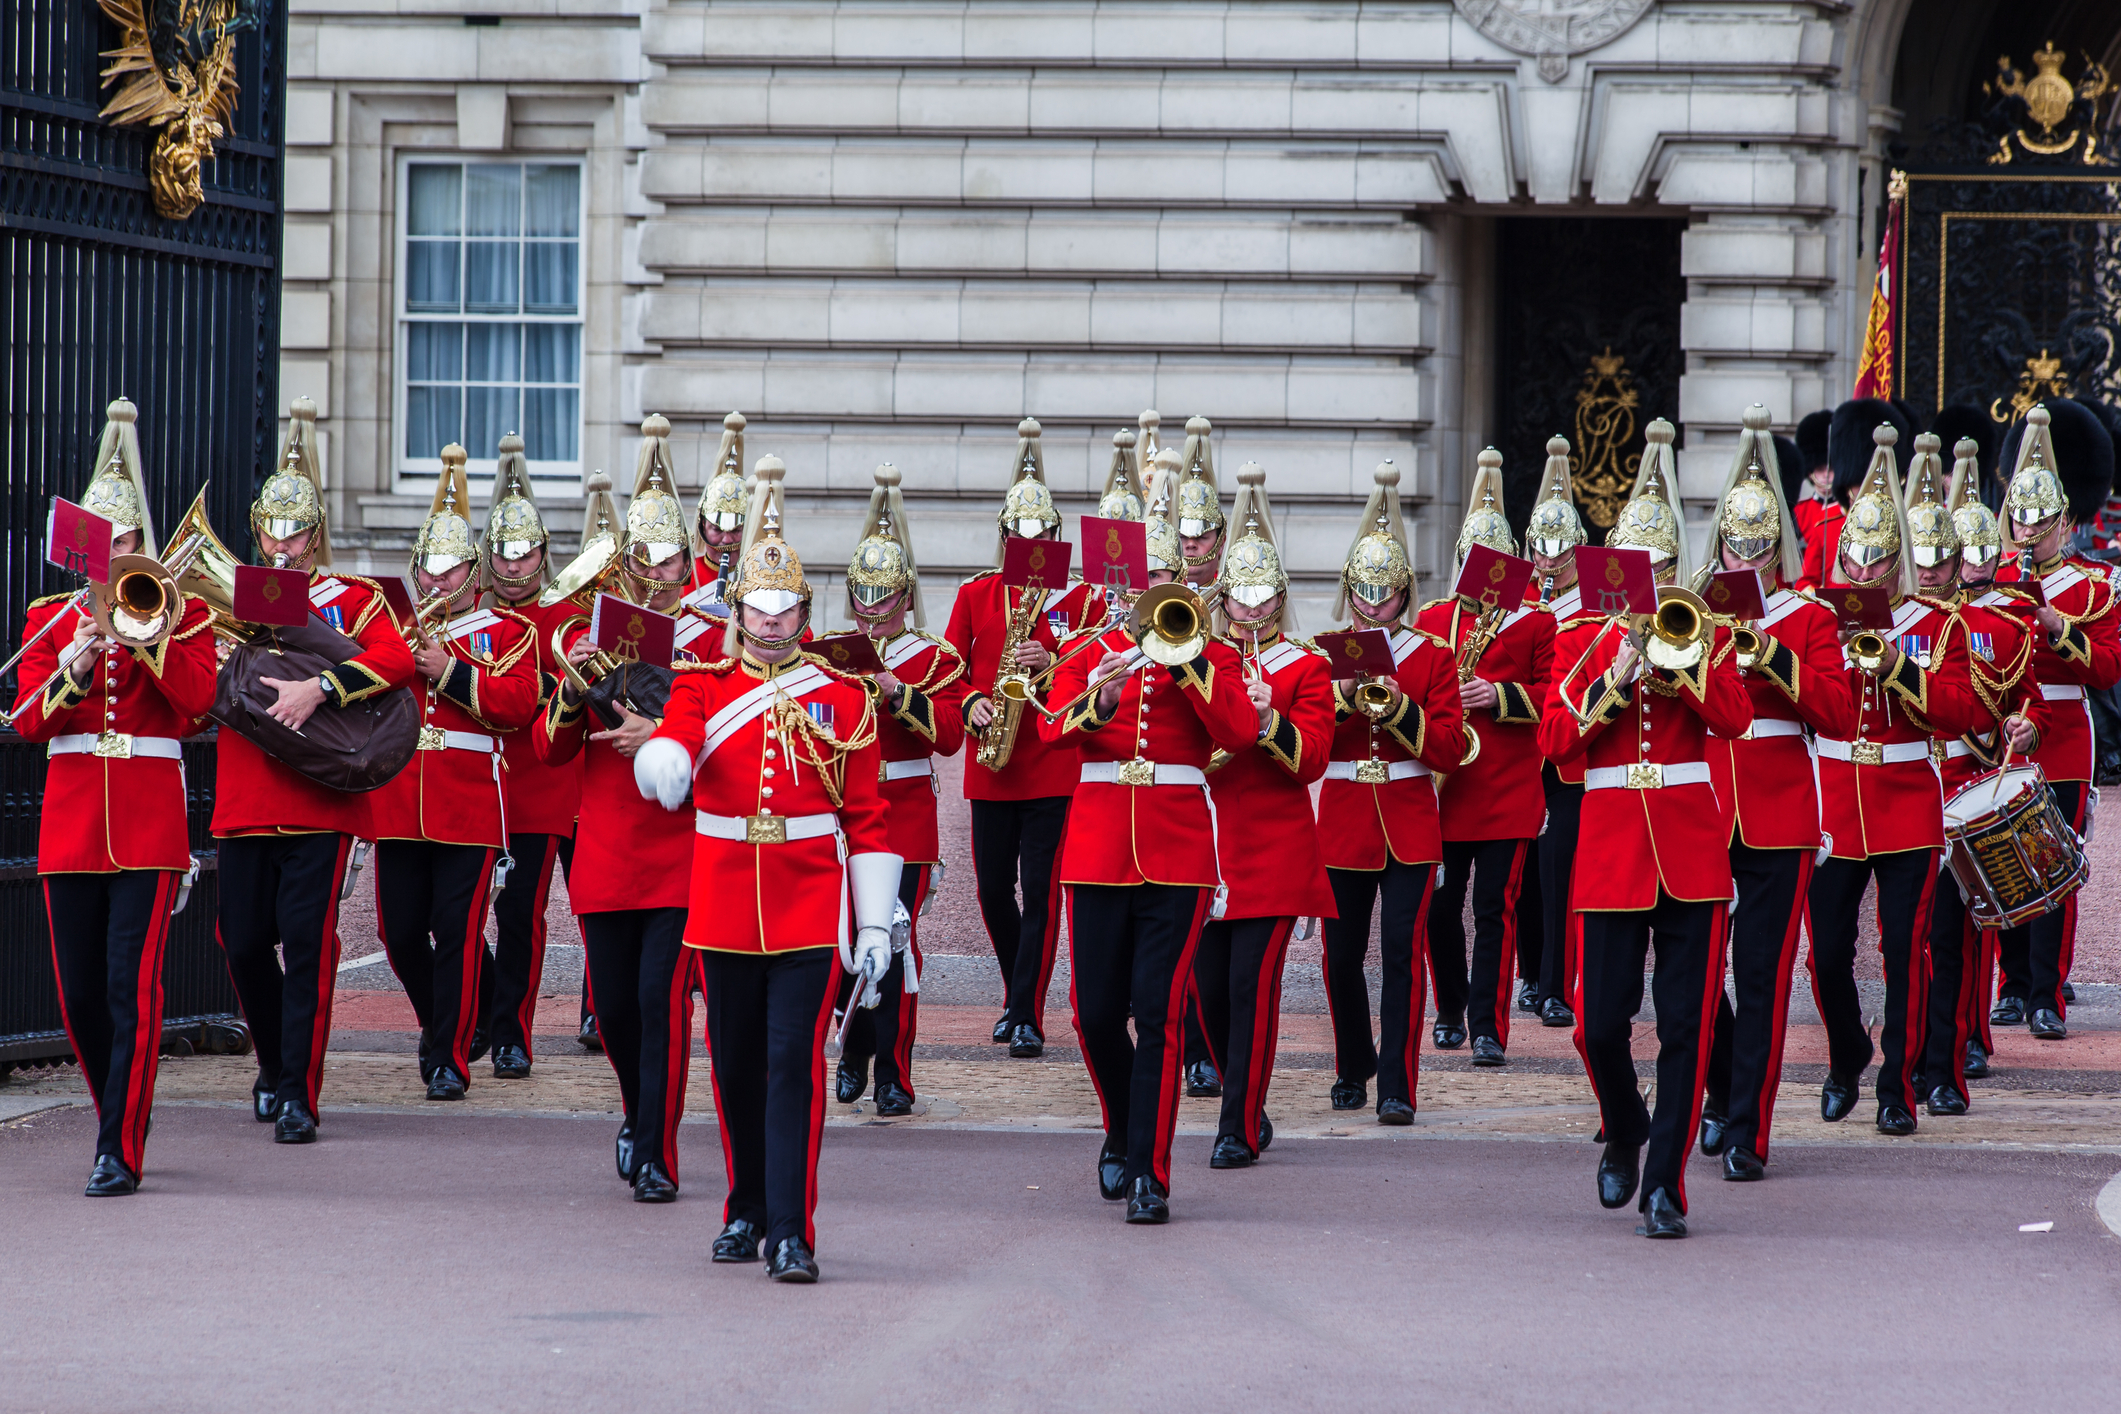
(1012, 685)
(1469, 654)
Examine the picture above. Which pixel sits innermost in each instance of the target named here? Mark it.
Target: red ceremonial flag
(78, 540)
(1355, 651)
(631, 633)
(1735, 594)
(270, 596)
(1616, 581)
(1116, 554)
(849, 652)
(1492, 579)
(1874, 375)
(1862, 605)
(1037, 564)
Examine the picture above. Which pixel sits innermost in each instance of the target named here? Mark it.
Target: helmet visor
(1866, 555)
(1979, 554)
(1552, 549)
(723, 520)
(1930, 556)
(871, 594)
(771, 601)
(1030, 527)
(282, 529)
(1252, 595)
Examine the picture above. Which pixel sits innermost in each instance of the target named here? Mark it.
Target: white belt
(764, 829)
(435, 739)
(906, 770)
(1143, 773)
(118, 745)
(1771, 726)
(1954, 749)
(1395, 771)
(1871, 753)
(1647, 775)
(2062, 691)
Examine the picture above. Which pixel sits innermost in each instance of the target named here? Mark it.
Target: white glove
(663, 772)
(872, 959)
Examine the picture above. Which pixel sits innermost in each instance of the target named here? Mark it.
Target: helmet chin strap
(771, 645)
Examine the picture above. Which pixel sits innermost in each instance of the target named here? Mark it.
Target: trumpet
(1676, 636)
(1373, 699)
(1748, 646)
(585, 573)
(1868, 649)
(137, 607)
(1170, 626)
(1469, 654)
(430, 614)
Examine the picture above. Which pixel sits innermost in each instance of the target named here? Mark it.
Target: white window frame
(420, 475)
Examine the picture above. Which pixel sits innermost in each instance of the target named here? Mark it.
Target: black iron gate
(105, 297)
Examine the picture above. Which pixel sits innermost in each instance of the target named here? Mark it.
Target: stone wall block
(894, 312)
(736, 241)
(1201, 244)
(865, 171)
(1067, 100)
(1147, 34)
(1476, 118)
(866, 34)
(1720, 396)
(1091, 242)
(1025, 314)
(305, 319)
(305, 250)
(803, 386)
(682, 102)
(1626, 128)
(1101, 389)
(962, 101)
(827, 100)
(1400, 179)
(1148, 173)
(1260, 389)
(825, 240)
(1352, 393)
(1387, 317)
(772, 32)
(986, 242)
(1356, 105)
(997, 169)
(1307, 176)
(1221, 102)
(1285, 34)
(1034, 31)
(702, 387)
(1299, 316)
(1325, 245)
(970, 386)
(1155, 316)
(306, 183)
(1405, 35)
(309, 116)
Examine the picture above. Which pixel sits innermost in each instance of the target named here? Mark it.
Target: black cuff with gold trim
(1198, 674)
(460, 684)
(63, 695)
(1514, 706)
(2073, 645)
(1409, 725)
(1908, 681)
(350, 682)
(1779, 666)
(1283, 742)
(915, 711)
(558, 715)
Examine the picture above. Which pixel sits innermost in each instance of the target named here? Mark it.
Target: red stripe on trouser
(467, 1019)
(1984, 995)
(1705, 1039)
(1418, 1003)
(147, 1024)
(1572, 943)
(1512, 892)
(2067, 953)
(328, 948)
(817, 1110)
(1266, 1025)
(1168, 1087)
(677, 1053)
(1964, 1008)
(1082, 1040)
(721, 1110)
(66, 1017)
(909, 1001)
(1918, 988)
(1785, 967)
(1051, 942)
(527, 1010)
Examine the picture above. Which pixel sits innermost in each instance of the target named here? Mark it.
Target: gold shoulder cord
(826, 753)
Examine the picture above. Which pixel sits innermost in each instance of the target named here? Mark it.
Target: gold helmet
(1027, 507)
(1555, 528)
(117, 488)
(1932, 537)
(1199, 506)
(1252, 569)
(655, 521)
(883, 558)
(722, 502)
(1650, 521)
(1486, 524)
(1751, 518)
(1165, 552)
(2036, 492)
(443, 540)
(1377, 565)
(1121, 500)
(1980, 538)
(768, 576)
(292, 498)
(1876, 527)
(513, 526)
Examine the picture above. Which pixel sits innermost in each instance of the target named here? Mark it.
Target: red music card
(1491, 579)
(2031, 591)
(1353, 651)
(269, 596)
(1037, 564)
(78, 540)
(849, 652)
(1616, 581)
(398, 596)
(1861, 605)
(628, 631)
(1735, 593)
(1116, 554)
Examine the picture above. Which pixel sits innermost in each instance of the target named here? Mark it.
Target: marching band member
(631, 891)
(778, 755)
(1769, 802)
(600, 521)
(920, 695)
(1385, 839)
(1140, 871)
(1849, 447)
(1263, 796)
(1651, 861)
(2077, 651)
(1808, 513)
(1491, 806)
(283, 839)
(1880, 804)
(718, 525)
(1121, 499)
(1197, 506)
(1552, 535)
(1018, 783)
(112, 843)
(542, 799)
(442, 823)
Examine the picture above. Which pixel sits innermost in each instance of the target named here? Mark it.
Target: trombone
(1170, 626)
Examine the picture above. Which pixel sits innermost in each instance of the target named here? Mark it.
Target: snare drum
(2009, 846)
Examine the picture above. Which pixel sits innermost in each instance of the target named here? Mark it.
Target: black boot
(1619, 1170)
(652, 1185)
(739, 1242)
(294, 1124)
(792, 1262)
(1145, 1202)
(850, 1079)
(1203, 1079)
(110, 1178)
(1714, 1132)
(264, 1099)
(622, 1151)
(1661, 1216)
(1230, 1153)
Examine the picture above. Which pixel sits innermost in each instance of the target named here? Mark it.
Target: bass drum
(353, 748)
(2010, 848)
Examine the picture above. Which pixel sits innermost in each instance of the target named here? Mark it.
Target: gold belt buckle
(1645, 775)
(1372, 772)
(433, 739)
(116, 746)
(1938, 752)
(1139, 772)
(1867, 753)
(765, 829)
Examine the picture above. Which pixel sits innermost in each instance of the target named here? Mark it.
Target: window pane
(552, 353)
(548, 276)
(437, 196)
(493, 353)
(550, 418)
(493, 199)
(488, 413)
(434, 353)
(431, 275)
(490, 276)
(433, 419)
(552, 204)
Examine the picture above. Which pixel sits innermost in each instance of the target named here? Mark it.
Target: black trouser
(644, 974)
(1395, 1059)
(282, 891)
(1012, 839)
(766, 1021)
(509, 975)
(1745, 1059)
(1131, 953)
(1905, 885)
(886, 1030)
(107, 933)
(431, 906)
(1237, 973)
(1495, 869)
(1531, 920)
(1687, 978)
(1557, 859)
(2036, 956)
(1956, 1007)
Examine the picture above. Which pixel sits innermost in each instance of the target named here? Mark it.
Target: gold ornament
(175, 68)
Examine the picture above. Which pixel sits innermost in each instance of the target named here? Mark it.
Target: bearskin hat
(1966, 420)
(2085, 448)
(1790, 462)
(1848, 440)
(1811, 439)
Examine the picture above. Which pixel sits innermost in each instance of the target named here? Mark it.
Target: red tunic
(1360, 820)
(1266, 836)
(1567, 611)
(1037, 768)
(450, 792)
(774, 725)
(1634, 841)
(151, 698)
(929, 722)
(1822, 543)
(1879, 790)
(1498, 796)
(2088, 657)
(2003, 680)
(542, 799)
(1154, 831)
(1764, 781)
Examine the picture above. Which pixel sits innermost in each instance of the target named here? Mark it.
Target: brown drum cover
(2010, 848)
(353, 748)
